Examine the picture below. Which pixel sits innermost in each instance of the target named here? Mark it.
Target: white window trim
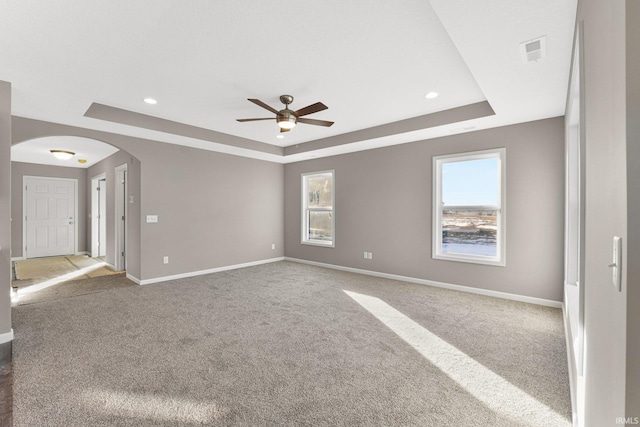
(305, 222)
(438, 161)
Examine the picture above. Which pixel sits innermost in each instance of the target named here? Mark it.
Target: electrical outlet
(165, 260)
(273, 246)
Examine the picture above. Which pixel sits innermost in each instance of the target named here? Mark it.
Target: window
(318, 220)
(469, 214)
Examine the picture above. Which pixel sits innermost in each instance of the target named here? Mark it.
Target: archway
(90, 159)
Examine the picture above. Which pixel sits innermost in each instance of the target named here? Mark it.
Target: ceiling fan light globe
(286, 125)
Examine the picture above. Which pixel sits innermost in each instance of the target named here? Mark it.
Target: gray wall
(214, 210)
(18, 171)
(383, 205)
(606, 108)
(108, 166)
(5, 207)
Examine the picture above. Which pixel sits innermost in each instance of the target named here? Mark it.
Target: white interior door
(98, 215)
(50, 216)
(102, 217)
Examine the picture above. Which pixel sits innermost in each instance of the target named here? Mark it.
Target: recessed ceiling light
(280, 136)
(431, 95)
(150, 101)
(82, 161)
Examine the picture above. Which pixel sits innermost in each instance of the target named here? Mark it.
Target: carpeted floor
(284, 344)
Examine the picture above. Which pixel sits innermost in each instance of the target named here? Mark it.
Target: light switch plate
(152, 218)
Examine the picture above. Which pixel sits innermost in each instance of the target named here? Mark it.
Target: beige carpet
(288, 344)
(37, 270)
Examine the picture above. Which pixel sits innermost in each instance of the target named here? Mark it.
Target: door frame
(120, 262)
(94, 212)
(24, 210)
(574, 277)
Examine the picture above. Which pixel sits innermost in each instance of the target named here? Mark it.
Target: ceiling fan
(286, 118)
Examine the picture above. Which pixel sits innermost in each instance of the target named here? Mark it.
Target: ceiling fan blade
(310, 109)
(315, 122)
(263, 105)
(253, 120)
(284, 130)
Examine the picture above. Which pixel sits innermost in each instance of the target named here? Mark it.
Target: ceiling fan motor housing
(286, 119)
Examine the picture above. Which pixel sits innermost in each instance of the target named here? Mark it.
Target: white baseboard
(21, 258)
(201, 272)
(486, 292)
(134, 279)
(6, 337)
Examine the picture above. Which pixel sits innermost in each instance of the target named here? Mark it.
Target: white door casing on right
(121, 217)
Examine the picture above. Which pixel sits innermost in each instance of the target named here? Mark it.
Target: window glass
(468, 208)
(318, 221)
(469, 213)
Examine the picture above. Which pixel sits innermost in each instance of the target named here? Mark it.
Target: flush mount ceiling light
(150, 101)
(62, 154)
(431, 95)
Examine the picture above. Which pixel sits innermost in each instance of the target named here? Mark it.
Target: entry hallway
(43, 279)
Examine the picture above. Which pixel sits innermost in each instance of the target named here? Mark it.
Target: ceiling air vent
(534, 50)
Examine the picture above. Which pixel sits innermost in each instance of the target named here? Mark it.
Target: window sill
(318, 243)
(471, 259)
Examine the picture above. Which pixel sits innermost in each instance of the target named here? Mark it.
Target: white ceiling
(370, 62)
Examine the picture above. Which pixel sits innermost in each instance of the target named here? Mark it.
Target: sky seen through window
(470, 183)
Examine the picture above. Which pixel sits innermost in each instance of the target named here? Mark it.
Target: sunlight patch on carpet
(57, 280)
(485, 385)
(157, 408)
